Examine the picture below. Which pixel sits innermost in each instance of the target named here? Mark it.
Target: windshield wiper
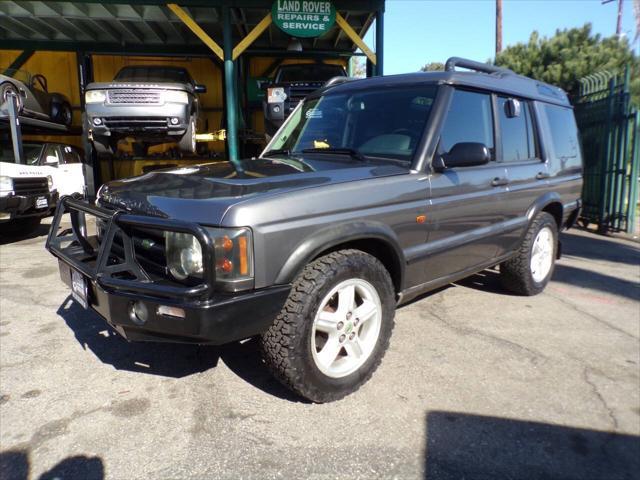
(277, 151)
(352, 152)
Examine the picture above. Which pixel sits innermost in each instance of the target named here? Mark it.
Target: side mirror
(512, 108)
(464, 154)
(51, 160)
(199, 88)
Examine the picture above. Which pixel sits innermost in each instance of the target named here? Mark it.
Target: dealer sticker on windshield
(42, 202)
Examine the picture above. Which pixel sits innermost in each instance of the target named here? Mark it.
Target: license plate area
(42, 202)
(79, 288)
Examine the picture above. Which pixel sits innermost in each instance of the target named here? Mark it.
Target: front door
(466, 208)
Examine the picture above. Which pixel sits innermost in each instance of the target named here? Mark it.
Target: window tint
(469, 120)
(516, 133)
(70, 155)
(564, 133)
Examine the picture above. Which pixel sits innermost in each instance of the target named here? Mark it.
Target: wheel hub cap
(542, 255)
(346, 328)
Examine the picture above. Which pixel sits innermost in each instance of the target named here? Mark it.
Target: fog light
(276, 109)
(175, 120)
(171, 311)
(138, 313)
(5, 216)
(97, 121)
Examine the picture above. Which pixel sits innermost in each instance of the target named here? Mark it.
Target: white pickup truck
(31, 190)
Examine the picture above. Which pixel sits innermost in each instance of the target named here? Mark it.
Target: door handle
(499, 181)
(542, 175)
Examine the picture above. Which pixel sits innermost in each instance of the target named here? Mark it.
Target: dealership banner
(300, 18)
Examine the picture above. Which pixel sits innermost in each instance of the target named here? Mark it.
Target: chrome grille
(135, 96)
(31, 186)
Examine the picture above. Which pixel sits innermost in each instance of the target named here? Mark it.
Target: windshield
(309, 73)
(31, 153)
(386, 123)
(154, 74)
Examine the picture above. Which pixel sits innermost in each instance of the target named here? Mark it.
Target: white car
(30, 191)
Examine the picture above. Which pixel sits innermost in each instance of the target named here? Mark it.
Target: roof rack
(454, 62)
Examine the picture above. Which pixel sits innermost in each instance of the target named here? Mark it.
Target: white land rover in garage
(29, 192)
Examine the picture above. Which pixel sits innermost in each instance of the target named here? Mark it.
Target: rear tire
(187, 143)
(7, 89)
(530, 269)
(64, 114)
(327, 341)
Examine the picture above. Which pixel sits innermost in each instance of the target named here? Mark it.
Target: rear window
(153, 74)
(309, 73)
(564, 132)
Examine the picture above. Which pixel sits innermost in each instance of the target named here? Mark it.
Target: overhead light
(294, 45)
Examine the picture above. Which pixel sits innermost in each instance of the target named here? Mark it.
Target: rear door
(519, 152)
(466, 212)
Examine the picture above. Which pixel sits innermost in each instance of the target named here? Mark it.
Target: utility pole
(499, 26)
(619, 21)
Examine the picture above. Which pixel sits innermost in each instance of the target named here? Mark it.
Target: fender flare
(334, 235)
(540, 204)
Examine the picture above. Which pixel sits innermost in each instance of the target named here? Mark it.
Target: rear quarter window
(563, 131)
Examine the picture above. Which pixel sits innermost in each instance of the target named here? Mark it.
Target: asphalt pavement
(477, 384)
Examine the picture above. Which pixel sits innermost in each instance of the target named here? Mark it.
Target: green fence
(609, 127)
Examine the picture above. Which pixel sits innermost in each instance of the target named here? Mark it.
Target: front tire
(335, 327)
(529, 271)
(188, 141)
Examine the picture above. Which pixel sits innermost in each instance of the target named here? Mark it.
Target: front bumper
(209, 317)
(22, 206)
(146, 120)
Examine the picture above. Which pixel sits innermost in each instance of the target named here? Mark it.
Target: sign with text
(303, 18)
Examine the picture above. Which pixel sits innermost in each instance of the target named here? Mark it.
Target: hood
(15, 170)
(153, 85)
(203, 193)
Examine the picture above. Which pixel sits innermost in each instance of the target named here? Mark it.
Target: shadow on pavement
(15, 465)
(599, 247)
(471, 446)
(176, 360)
(41, 231)
(596, 281)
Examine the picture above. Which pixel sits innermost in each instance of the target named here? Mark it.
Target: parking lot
(477, 384)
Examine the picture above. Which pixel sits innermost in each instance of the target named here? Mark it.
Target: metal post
(230, 87)
(16, 131)
(91, 163)
(380, 42)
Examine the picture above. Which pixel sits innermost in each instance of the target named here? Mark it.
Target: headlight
(184, 255)
(95, 96)
(175, 96)
(6, 185)
(50, 182)
(233, 255)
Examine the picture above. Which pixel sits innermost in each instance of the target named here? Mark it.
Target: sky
(422, 31)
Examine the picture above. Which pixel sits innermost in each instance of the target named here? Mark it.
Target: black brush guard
(94, 258)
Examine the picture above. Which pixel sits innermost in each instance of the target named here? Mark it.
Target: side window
(564, 133)
(516, 133)
(70, 155)
(469, 119)
(51, 155)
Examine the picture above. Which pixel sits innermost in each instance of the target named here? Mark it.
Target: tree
(570, 55)
(433, 67)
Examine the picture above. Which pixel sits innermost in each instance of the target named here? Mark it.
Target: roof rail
(454, 62)
(337, 81)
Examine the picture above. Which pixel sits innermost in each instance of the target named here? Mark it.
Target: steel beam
(230, 88)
